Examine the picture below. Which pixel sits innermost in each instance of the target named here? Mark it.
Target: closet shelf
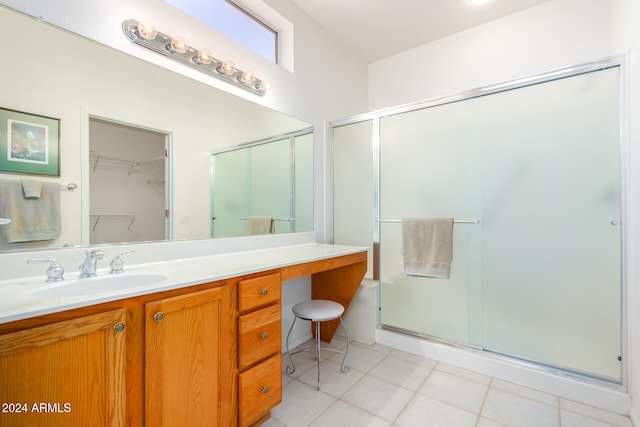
(113, 219)
(154, 167)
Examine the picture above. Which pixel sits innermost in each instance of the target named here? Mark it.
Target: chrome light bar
(145, 35)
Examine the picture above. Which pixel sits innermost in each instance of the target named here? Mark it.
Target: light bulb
(247, 77)
(227, 67)
(147, 30)
(178, 45)
(204, 56)
(262, 86)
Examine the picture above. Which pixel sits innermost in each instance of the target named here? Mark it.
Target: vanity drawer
(258, 291)
(260, 389)
(259, 335)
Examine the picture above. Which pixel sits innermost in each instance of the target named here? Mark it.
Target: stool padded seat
(318, 310)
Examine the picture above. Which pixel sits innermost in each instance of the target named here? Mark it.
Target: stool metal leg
(316, 349)
(291, 368)
(344, 368)
(318, 352)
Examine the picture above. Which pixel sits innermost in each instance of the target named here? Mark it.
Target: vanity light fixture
(145, 34)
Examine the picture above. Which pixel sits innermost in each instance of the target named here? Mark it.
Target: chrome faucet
(117, 264)
(88, 267)
(55, 272)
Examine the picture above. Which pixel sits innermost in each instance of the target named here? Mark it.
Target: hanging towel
(260, 225)
(32, 219)
(31, 188)
(427, 246)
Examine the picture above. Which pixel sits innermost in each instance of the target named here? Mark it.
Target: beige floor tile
(518, 411)
(589, 411)
(457, 391)
(378, 397)
(424, 411)
(401, 372)
(341, 414)
(332, 380)
(301, 404)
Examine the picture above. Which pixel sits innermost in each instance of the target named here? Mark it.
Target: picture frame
(29, 143)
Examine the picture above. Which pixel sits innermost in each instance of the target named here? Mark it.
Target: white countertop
(20, 299)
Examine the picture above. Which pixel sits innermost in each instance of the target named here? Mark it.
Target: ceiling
(377, 29)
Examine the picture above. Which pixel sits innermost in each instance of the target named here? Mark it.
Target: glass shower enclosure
(532, 174)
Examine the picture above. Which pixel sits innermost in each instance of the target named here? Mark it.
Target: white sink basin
(96, 285)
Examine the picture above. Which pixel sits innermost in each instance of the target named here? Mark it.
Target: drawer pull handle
(265, 389)
(264, 292)
(264, 335)
(118, 327)
(158, 317)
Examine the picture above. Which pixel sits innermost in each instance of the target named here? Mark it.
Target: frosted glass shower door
(424, 172)
(550, 222)
(539, 278)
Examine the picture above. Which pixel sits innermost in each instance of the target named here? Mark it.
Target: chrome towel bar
(456, 221)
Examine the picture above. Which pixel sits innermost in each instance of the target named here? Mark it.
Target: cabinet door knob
(264, 292)
(265, 389)
(158, 317)
(264, 335)
(118, 327)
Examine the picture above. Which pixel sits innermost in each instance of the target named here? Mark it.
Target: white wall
(556, 34)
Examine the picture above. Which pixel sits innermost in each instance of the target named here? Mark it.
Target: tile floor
(387, 387)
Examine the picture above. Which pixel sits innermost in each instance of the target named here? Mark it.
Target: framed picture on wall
(29, 143)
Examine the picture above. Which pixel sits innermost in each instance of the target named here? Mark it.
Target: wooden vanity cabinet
(164, 359)
(204, 355)
(67, 373)
(259, 345)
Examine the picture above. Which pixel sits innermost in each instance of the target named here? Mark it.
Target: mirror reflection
(83, 80)
(264, 187)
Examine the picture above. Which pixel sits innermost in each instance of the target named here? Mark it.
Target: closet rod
(455, 221)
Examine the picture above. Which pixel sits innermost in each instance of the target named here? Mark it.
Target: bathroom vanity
(200, 347)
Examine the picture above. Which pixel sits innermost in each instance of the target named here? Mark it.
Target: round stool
(318, 310)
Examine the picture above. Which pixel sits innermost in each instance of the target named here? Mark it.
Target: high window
(234, 22)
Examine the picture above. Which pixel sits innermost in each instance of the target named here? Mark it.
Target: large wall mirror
(75, 79)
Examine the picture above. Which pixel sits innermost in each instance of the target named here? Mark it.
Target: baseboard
(610, 397)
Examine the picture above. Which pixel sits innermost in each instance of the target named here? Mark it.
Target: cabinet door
(190, 360)
(70, 373)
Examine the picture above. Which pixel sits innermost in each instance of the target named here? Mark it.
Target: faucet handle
(117, 264)
(96, 253)
(55, 272)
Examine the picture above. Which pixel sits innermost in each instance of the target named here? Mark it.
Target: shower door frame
(616, 61)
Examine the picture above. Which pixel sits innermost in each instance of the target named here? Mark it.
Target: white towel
(260, 225)
(427, 246)
(32, 219)
(31, 188)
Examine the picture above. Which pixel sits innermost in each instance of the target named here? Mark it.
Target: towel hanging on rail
(427, 246)
(260, 225)
(32, 219)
